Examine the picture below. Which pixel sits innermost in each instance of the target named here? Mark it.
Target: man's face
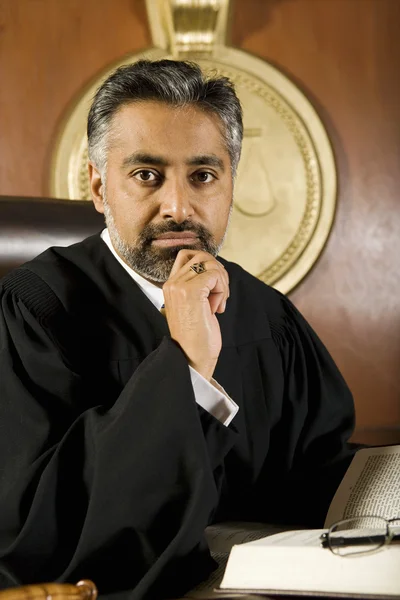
(169, 185)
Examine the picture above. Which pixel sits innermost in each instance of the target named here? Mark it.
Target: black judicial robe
(109, 470)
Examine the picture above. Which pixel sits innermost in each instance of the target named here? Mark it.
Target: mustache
(151, 231)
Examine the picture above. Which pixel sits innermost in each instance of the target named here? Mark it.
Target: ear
(96, 188)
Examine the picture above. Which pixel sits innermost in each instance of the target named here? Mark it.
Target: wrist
(205, 369)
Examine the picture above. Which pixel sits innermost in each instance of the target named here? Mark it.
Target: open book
(295, 563)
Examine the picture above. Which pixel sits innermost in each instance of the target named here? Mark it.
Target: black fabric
(109, 470)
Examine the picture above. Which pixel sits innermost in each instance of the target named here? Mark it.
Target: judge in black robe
(109, 469)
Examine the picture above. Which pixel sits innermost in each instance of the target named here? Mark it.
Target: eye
(203, 177)
(146, 176)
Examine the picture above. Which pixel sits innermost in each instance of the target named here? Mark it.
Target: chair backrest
(28, 226)
(83, 590)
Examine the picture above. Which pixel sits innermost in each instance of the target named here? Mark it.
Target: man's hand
(191, 301)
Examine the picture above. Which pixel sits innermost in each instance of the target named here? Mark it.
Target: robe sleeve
(120, 495)
(309, 451)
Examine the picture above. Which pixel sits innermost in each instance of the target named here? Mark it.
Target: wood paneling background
(345, 56)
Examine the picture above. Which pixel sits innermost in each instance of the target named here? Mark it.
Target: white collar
(154, 293)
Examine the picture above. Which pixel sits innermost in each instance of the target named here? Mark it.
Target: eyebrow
(137, 158)
(206, 159)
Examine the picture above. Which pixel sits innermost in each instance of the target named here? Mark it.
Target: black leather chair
(30, 225)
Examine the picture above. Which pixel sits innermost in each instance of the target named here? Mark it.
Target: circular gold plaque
(285, 191)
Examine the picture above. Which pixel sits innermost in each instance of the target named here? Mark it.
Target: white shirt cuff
(213, 398)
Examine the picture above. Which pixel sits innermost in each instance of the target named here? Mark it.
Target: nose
(176, 202)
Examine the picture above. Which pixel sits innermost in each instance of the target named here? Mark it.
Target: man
(126, 431)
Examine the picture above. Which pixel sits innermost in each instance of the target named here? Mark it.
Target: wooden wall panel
(344, 54)
(49, 49)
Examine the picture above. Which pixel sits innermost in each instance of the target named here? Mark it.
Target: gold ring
(198, 268)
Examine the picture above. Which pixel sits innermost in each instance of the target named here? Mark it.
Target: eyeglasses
(360, 535)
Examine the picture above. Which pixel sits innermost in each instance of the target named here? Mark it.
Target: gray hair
(177, 83)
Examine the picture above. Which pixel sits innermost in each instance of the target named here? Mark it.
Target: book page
(280, 568)
(303, 538)
(371, 486)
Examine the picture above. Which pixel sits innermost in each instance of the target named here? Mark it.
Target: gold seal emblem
(285, 192)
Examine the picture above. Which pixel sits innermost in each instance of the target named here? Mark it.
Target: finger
(189, 257)
(186, 273)
(217, 302)
(222, 283)
(185, 256)
(215, 288)
(214, 280)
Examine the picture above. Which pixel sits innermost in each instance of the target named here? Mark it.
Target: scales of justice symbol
(285, 191)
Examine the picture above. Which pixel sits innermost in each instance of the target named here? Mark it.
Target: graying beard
(149, 265)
